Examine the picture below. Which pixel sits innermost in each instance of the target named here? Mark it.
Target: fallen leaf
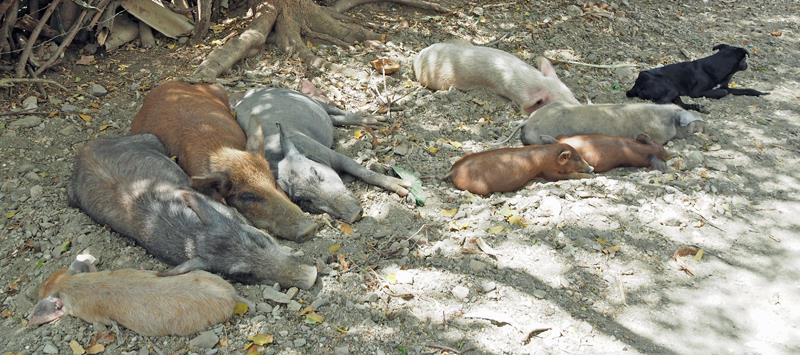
(261, 339)
(343, 264)
(86, 118)
(95, 349)
(307, 310)
(342, 330)
(391, 278)
(432, 150)
(517, 221)
(505, 212)
(6, 313)
(314, 318)
(416, 183)
(171, 46)
(85, 60)
(77, 349)
(776, 33)
(104, 126)
(66, 245)
(612, 249)
(386, 66)
(52, 114)
(496, 230)
(449, 212)
(11, 214)
(601, 241)
(217, 28)
(686, 250)
(699, 255)
(346, 229)
(333, 248)
(240, 308)
(455, 144)
(216, 42)
(358, 133)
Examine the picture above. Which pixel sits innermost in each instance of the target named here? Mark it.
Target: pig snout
(288, 270)
(348, 208)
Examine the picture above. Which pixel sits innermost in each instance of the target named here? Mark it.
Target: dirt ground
(582, 266)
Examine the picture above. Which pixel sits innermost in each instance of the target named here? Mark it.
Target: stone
(275, 296)
(574, 10)
(717, 165)
(402, 149)
(549, 206)
(460, 292)
(294, 306)
(539, 294)
(25, 122)
(477, 265)
(342, 350)
(263, 307)
(478, 11)
(291, 292)
(36, 192)
(299, 342)
(49, 348)
(183, 40)
(68, 130)
(488, 286)
(693, 159)
(97, 90)
(319, 302)
(30, 103)
(206, 340)
(68, 108)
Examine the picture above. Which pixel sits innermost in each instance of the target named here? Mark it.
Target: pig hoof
(306, 277)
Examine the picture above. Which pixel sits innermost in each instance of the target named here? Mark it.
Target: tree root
(344, 5)
(9, 82)
(23, 59)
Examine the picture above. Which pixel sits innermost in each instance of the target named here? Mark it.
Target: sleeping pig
(131, 185)
(196, 125)
(660, 122)
(604, 153)
(509, 169)
(136, 299)
(465, 67)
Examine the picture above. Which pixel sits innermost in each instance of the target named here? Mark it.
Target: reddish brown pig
(136, 299)
(604, 153)
(196, 125)
(509, 169)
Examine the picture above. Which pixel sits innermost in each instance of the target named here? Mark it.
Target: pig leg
(685, 106)
(713, 94)
(658, 164)
(745, 92)
(577, 176)
(189, 265)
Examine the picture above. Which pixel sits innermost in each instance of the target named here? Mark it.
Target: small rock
(693, 159)
(36, 192)
(25, 122)
(68, 108)
(477, 265)
(182, 40)
(30, 103)
(144, 351)
(49, 348)
(68, 130)
(299, 342)
(717, 165)
(263, 307)
(549, 206)
(206, 340)
(625, 74)
(539, 294)
(342, 350)
(319, 302)
(97, 90)
(291, 292)
(402, 149)
(488, 286)
(294, 306)
(373, 297)
(460, 292)
(283, 333)
(574, 10)
(478, 11)
(32, 176)
(275, 296)
(404, 277)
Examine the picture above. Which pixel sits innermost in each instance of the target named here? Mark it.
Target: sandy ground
(579, 266)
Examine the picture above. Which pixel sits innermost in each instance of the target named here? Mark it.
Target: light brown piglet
(604, 153)
(509, 169)
(196, 125)
(138, 300)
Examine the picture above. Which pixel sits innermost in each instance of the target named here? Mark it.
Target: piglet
(509, 169)
(196, 125)
(136, 299)
(466, 67)
(131, 185)
(604, 153)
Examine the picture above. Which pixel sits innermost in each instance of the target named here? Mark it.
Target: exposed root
(9, 82)
(26, 53)
(601, 66)
(344, 5)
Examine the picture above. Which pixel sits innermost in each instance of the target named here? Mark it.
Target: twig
(492, 42)
(705, 220)
(773, 238)
(23, 59)
(9, 82)
(16, 113)
(601, 66)
(442, 347)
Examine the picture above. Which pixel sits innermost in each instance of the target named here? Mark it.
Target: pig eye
(248, 197)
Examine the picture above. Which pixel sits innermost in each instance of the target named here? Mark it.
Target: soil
(581, 266)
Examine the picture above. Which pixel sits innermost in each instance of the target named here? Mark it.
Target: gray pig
(660, 122)
(305, 166)
(465, 67)
(130, 184)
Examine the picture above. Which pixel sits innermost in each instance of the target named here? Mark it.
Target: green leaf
(66, 245)
(416, 184)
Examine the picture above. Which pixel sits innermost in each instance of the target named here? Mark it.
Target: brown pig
(509, 169)
(604, 153)
(196, 125)
(136, 299)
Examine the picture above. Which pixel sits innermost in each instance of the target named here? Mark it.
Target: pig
(129, 184)
(196, 125)
(509, 169)
(604, 153)
(305, 166)
(466, 67)
(136, 299)
(661, 122)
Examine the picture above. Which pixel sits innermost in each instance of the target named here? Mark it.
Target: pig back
(191, 120)
(148, 304)
(297, 113)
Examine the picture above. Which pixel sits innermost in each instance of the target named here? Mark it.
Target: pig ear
(217, 185)
(564, 156)
(255, 140)
(719, 46)
(46, 310)
(547, 139)
(644, 138)
(287, 147)
(547, 68)
(199, 207)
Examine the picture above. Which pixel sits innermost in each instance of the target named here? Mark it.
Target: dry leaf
(343, 264)
(358, 133)
(517, 220)
(699, 255)
(455, 144)
(346, 229)
(432, 150)
(496, 230)
(240, 308)
(85, 60)
(95, 349)
(776, 33)
(333, 248)
(391, 278)
(449, 212)
(314, 318)
(261, 339)
(612, 249)
(383, 65)
(86, 118)
(77, 349)
(485, 247)
(104, 126)
(342, 330)
(686, 250)
(307, 310)
(11, 214)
